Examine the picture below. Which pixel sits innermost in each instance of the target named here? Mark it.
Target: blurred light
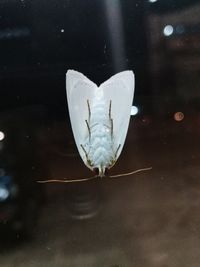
(3, 194)
(115, 20)
(14, 33)
(153, 1)
(62, 30)
(168, 30)
(178, 116)
(134, 110)
(2, 136)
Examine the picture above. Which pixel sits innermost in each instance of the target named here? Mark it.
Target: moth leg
(95, 124)
(110, 127)
(89, 110)
(86, 155)
(110, 118)
(117, 150)
(110, 105)
(112, 163)
(111, 121)
(88, 126)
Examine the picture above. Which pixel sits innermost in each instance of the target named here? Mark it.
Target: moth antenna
(130, 173)
(64, 180)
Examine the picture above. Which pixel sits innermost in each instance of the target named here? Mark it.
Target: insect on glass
(100, 118)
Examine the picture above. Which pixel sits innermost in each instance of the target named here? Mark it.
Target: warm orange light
(178, 116)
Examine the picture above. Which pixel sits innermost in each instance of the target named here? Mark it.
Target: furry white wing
(119, 89)
(79, 90)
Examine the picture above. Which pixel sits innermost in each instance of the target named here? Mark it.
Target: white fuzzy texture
(100, 134)
(99, 144)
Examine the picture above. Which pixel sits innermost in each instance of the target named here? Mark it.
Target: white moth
(100, 117)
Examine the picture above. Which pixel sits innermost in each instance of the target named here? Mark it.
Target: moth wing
(119, 89)
(79, 90)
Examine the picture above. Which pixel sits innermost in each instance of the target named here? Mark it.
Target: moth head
(101, 171)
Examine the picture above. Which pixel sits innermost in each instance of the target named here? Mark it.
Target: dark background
(149, 219)
(41, 40)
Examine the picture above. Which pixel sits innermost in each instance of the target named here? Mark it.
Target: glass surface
(148, 219)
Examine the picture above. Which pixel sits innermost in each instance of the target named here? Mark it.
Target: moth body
(99, 141)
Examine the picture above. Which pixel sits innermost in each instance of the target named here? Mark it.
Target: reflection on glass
(168, 30)
(149, 219)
